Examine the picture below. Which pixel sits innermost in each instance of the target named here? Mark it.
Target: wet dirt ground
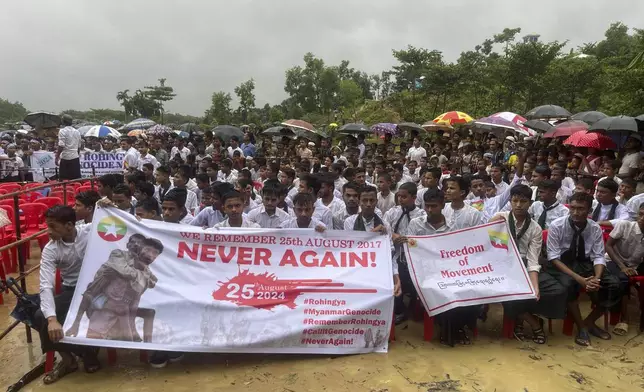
(490, 364)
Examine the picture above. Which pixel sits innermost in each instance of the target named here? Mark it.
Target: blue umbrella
(102, 131)
(385, 128)
(139, 123)
(84, 129)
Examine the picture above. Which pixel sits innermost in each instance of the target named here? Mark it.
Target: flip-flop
(621, 329)
(599, 333)
(60, 370)
(519, 333)
(582, 338)
(91, 363)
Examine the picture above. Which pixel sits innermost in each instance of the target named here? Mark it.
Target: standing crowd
(574, 215)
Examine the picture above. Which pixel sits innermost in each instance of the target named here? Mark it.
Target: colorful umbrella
(589, 117)
(83, 130)
(498, 125)
(136, 133)
(451, 118)
(158, 129)
(566, 128)
(432, 126)
(385, 129)
(590, 140)
(139, 123)
(547, 112)
(517, 119)
(102, 131)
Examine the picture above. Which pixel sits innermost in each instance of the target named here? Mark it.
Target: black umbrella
(225, 132)
(616, 124)
(43, 120)
(547, 112)
(353, 128)
(538, 125)
(279, 131)
(589, 117)
(409, 126)
(189, 127)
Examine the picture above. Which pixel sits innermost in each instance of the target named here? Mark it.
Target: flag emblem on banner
(498, 239)
(111, 229)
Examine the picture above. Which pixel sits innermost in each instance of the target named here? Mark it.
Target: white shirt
(621, 212)
(415, 153)
(339, 183)
(252, 204)
(191, 201)
(323, 213)
(494, 204)
(186, 220)
(630, 244)
(230, 178)
(158, 191)
(529, 245)
(231, 152)
(465, 217)
(557, 210)
(391, 218)
(131, 159)
(615, 178)
(420, 226)
(291, 223)
(207, 217)
(183, 153)
(66, 257)
(630, 161)
(11, 166)
(245, 223)
(69, 139)
(265, 221)
(340, 218)
(149, 158)
(385, 203)
(369, 225)
(501, 186)
(560, 236)
(633, 205)
(335, 206)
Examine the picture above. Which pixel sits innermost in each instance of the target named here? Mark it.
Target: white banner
(231, 290)
(40, 160)
(473, 266)
(102, 162)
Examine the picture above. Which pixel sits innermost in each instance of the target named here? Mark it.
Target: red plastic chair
(51, 201)
(83, 189)
(34, 214)
(6, 202)
(11, 187)
(32, 185)
(7, 236)
(30, 197)
(3, 192)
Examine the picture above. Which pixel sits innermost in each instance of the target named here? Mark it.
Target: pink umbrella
(590, 140)
(517, 119)
(566, 128)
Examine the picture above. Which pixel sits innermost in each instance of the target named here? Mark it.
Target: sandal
(518, 332)
(598, 332)
(582, 338)
(91, 363)
(463, 338)
(539, 336)
(621, 329)
(60, 370)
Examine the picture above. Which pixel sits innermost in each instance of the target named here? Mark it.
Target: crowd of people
(413, 185)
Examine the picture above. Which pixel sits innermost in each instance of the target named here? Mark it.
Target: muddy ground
(490, 364)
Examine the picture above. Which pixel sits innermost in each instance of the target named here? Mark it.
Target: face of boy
(171, 211)
(303, 213)
(434, 210)
(578, 211)
(234, 207)
(58, 230)
(405, 198)
(270, 203)
(453, 191)
(520, 206)
(121, 201)
(350, 197)
(368, 202)
(383, 185)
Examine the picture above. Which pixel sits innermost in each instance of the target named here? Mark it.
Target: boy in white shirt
(234, 208)
(386, 198)
(303, 204)
(181, 178)
(145, 156)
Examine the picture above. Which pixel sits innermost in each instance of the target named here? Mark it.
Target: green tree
(219, 111)
(160, 94)
(11, 112)
(350, 97)
(246, 95)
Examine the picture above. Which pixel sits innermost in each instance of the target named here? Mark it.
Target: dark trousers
(552, 303)
(407, 287)
(69, 169)
(63, 301)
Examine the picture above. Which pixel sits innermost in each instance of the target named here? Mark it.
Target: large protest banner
(101, 162)
(473, 266)
(231, 290)
(43, 165)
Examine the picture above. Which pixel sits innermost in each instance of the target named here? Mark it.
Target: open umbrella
(640, 117)
(136, 133)
(113, 123)
(158, 129)
(538, 125)
(354, 128)
(617, 128)
(181, 134)
(547, 112)
(226, 132)
(516, 119)
(189, 127)
(590, 140)
(102, 131)
(83, 130)
(385, 129)
(566, 128)
(279, 131)
(139, 123)
(409, 126)
(497, 125)
(432, 126)
(43, 120)
(300, 124)
(453, 117)
(589, 117)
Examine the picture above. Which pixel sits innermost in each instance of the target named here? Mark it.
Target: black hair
(163, 169)
(177, 195)
(582, 197)
(521, 190)
(615, 164)
(463, 184)
(399, 167)
(410, 187)
(311, 182)
(586, 183)
(232, 195)
(135, 176)
(148, 166)
(184, 171)
(609, 184)
(434, 194)
(153, 243)
(61, 214)
(543, 170)
(550, 185)
(145, 187)
(326, 179)
(88, 198)
(122, 189)
(108, 180)
(150, 204)
(368, 189)
(303, 198)
(351, 185)
(227, 162)
(483, 177)
(272, 189)
(221, 188)
(627, 181)
(385, 176)
(203, 177)
(245, 173)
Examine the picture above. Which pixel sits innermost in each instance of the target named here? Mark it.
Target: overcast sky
(62, 54)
